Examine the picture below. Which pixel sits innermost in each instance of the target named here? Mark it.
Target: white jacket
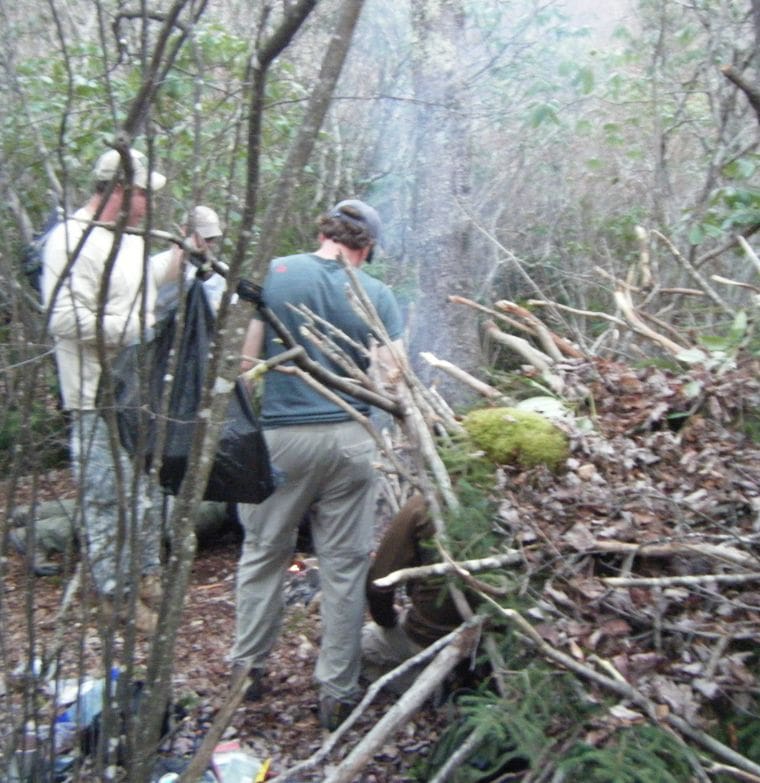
(74, 316)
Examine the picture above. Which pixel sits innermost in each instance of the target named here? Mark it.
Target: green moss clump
(511, 436)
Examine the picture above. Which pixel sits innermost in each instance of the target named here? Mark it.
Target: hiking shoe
(254, 689)
(333, 711)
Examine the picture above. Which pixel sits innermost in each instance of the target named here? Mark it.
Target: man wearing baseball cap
(111, 166)
(83, 263)
(204, 232)
(327, 457)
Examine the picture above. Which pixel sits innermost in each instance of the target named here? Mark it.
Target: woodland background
(515, 156)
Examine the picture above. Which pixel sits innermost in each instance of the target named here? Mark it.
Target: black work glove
(249, 291)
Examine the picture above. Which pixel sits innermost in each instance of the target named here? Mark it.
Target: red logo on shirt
(281, 268)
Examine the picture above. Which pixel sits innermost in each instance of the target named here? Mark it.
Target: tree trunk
(440, 244)
(300, 151)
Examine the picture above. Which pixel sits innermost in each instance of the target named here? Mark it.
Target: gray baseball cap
(359, 213)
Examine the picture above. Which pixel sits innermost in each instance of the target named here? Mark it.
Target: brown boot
(254, 688)
(150, 590)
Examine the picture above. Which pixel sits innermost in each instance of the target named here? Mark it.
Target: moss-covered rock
(514, 437)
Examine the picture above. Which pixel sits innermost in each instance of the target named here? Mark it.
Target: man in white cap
(101, 292)
(326, 455)
(204, 231)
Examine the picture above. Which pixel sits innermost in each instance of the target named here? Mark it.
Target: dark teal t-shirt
(322, 285)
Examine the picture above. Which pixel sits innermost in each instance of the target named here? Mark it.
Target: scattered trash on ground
(302, 581)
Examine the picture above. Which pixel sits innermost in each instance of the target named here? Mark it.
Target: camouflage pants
(113, 520)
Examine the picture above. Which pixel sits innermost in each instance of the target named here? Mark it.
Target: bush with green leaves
(76, 100)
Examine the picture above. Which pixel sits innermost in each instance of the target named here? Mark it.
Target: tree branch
(752, 93)
(460, 647)
(439, 569)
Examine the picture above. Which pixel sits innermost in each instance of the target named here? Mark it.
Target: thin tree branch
(752, 93)
(457, 567)
(460, 647)
(665, 581)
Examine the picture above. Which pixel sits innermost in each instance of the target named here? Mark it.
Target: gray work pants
(331, 465)
(114, 522)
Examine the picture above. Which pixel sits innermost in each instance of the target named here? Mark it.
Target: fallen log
(484, 389)
(668, 581)
(554, 345)
(521, 346)
(625, 303)
(725, 553)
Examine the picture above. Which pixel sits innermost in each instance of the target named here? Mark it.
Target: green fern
(542, 711)
(514, 730)
(637, 754)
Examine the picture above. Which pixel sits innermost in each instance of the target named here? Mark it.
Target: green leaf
(741, 168)
(692, 356)
(692, 389)
(711, 230)
(713, 343)
(543, 113)
(696, 235)
(739, 327)
(584, 79)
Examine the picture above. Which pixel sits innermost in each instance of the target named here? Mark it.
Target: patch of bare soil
(284, 725)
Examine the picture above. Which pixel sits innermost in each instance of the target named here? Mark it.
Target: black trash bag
(137, 407)
(241, 465)
(241, 472)
(187, 386)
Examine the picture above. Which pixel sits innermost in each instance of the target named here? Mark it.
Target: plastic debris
(232, 764)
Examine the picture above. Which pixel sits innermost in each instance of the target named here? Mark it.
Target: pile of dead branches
(640, 556)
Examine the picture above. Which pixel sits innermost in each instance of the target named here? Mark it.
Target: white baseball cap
(205, 221)
(109, 166)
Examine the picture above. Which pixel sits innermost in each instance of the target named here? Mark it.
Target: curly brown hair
(345, 227)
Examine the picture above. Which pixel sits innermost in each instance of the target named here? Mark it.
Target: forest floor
(283, 726)
(640, 557)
